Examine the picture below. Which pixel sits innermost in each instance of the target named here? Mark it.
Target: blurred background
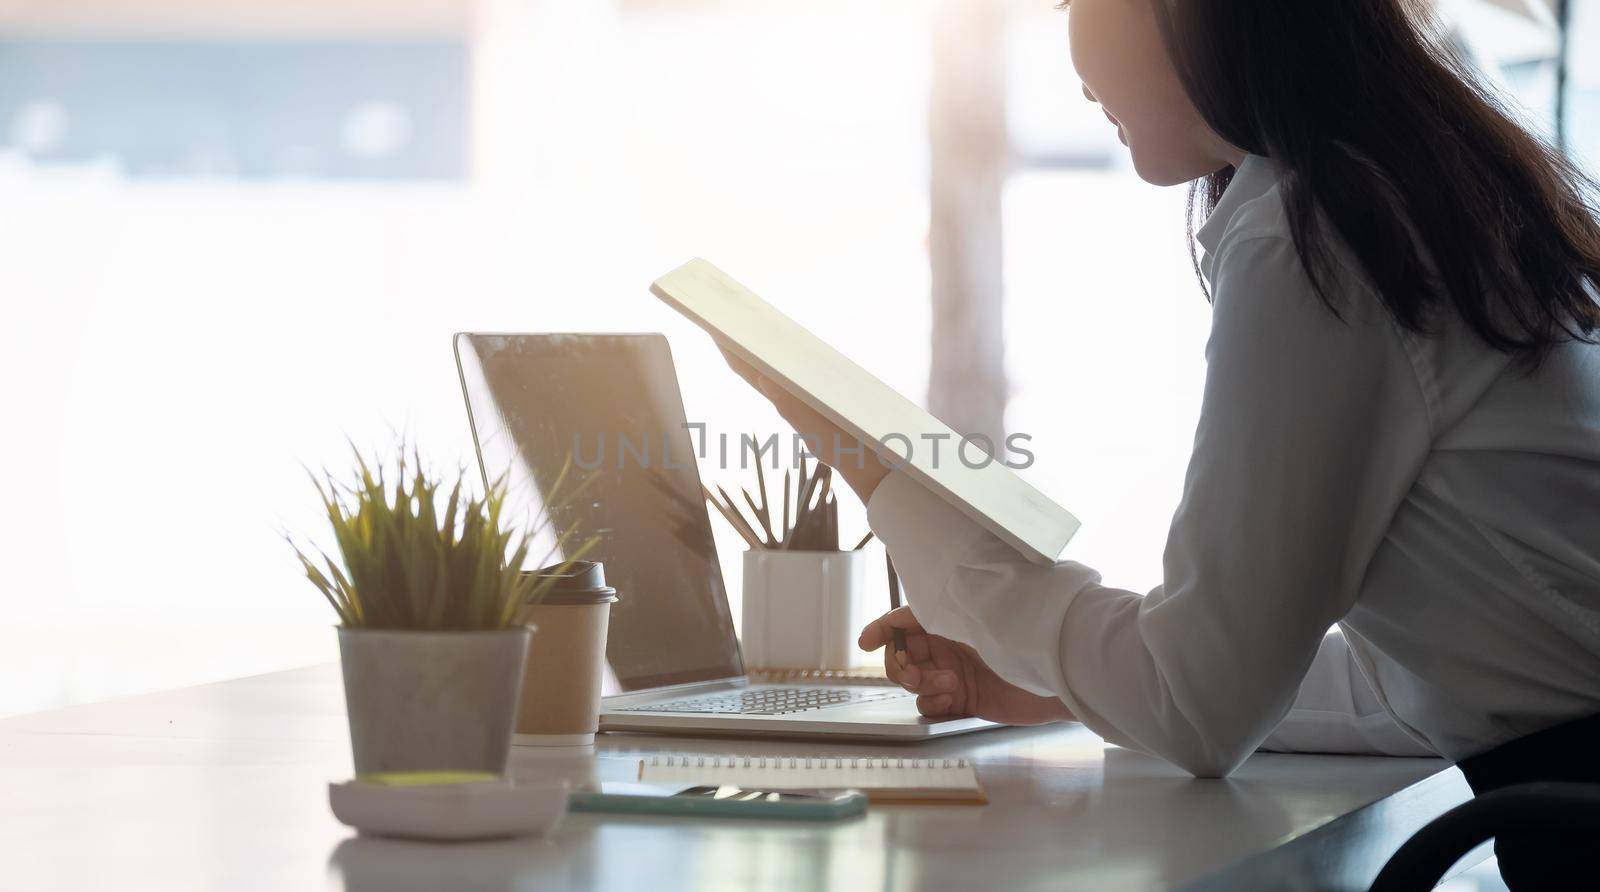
(239, 233)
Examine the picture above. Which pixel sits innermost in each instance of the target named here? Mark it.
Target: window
(1582, 104)
(181, 337)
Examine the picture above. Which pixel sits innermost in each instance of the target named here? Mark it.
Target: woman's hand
(950, 679)
(856, 463)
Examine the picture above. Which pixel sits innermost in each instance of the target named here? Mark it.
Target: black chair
(1533, 811)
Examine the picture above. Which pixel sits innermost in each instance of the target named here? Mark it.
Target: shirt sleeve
(1312, 429)
(1336, 711)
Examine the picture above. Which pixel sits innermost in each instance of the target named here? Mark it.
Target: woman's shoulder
(1256, 258)
(1252, 207)
(1258, 267)
(1261, 285)
(1264, 216)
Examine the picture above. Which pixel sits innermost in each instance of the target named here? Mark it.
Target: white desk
(224, 787)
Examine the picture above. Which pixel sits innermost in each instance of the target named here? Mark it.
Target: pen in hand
(894, 604)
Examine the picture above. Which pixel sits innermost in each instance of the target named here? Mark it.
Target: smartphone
(722, 802)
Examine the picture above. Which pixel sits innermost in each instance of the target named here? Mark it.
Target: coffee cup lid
(581, 582)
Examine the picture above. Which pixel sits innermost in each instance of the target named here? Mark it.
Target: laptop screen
(607, 407)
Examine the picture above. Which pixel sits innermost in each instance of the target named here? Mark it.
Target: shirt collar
(1254, 177)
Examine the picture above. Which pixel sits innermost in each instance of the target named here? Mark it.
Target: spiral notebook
(884, 780)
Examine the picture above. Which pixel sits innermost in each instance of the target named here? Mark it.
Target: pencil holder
(802, 609)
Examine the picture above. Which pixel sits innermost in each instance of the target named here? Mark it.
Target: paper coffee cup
(566, 659)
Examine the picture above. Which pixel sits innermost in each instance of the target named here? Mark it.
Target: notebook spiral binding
(800, 762)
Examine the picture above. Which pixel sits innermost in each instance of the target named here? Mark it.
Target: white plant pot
(431, 701)
(801, 608)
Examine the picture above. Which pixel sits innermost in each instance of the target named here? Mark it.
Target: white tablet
(986, 490)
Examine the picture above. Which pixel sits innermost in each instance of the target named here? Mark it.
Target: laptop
(610, 403)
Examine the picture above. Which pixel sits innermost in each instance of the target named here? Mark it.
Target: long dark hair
(1391, 140)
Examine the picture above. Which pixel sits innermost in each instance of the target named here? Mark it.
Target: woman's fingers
(743, 369)
(941, 681)
(918, 650)
(787, 406)
(893, 669)
(935, 704)
(824, 438)
(932, 681)
(911, 677)
(881, 630)
(921, 678)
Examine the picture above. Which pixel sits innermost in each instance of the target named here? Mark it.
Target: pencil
(894, 604)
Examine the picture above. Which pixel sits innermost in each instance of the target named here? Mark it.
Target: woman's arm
(1311, 432)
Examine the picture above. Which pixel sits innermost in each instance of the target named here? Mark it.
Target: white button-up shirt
(1431, 498)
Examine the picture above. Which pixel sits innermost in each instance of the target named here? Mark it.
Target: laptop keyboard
(770, 701)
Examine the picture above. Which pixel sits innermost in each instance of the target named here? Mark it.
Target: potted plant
(428, 588)
(802, 593)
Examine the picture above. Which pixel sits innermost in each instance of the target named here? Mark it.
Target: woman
(1400, 431)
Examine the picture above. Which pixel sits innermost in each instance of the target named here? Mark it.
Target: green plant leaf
(405, 563)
